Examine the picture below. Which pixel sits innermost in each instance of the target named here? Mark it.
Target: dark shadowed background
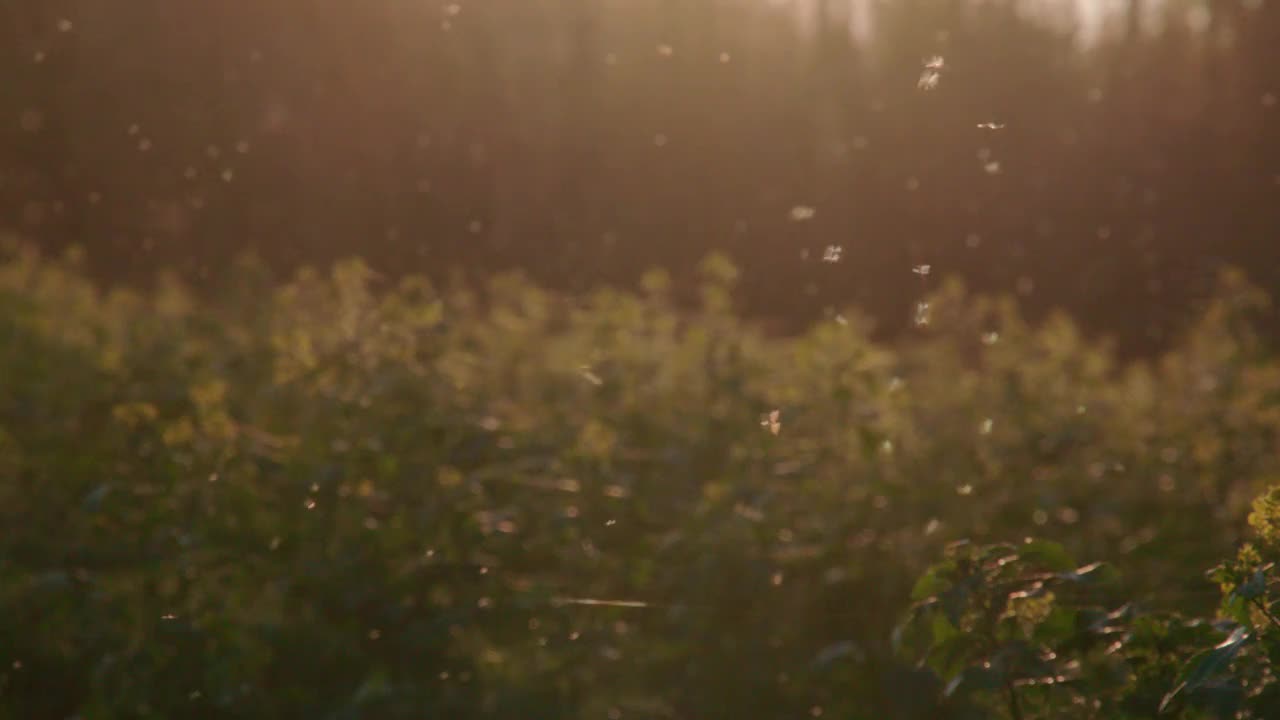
(1106, 162)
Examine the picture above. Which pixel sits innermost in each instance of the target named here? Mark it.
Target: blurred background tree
(1127, 153)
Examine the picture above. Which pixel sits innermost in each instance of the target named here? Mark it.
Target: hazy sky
(1088, 13)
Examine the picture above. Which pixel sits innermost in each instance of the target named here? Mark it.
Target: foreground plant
(1020, 632)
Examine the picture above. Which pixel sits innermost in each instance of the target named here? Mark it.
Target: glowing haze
(1089, 16)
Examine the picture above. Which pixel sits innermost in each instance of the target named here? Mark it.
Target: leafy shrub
(345, 497)
(995, 624)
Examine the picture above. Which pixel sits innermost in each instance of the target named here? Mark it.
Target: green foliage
(986, 621)
(1005, 625)
(339, 497)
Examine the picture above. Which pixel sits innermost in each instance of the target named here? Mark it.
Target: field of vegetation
(349, 497)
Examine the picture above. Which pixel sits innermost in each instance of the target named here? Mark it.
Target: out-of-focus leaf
(1221, 700)
(1049, 555)
(943, 629)
(1205, 665)
(1254, 587)
(93, 501)
(975, 678)
(932, 581)
(1058, 626)
(838, 651)
(954, 601)
(374, 687)
(950, 655)
(1095, 573)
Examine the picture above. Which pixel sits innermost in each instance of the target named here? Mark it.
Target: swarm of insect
(922, 313)
(772, 422)
(803, 213)
(931, 75)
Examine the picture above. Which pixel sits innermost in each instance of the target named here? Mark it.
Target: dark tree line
(582, 140)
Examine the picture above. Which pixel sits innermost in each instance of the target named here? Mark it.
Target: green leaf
(954, 602)
(999, 550)
(975, 678)
(1023, 661)
(1219, 574)
(1221, 701)
(1094, 574)
(1207, 664)
(950, 656)
(375, 686)
(943, 630)
(93, 501)
(933, 581)
(1254, 587)
(1059, 626)
(838, 651)
(1047, 554)
(912, 636)
(1112, 621)
(1235, 607)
